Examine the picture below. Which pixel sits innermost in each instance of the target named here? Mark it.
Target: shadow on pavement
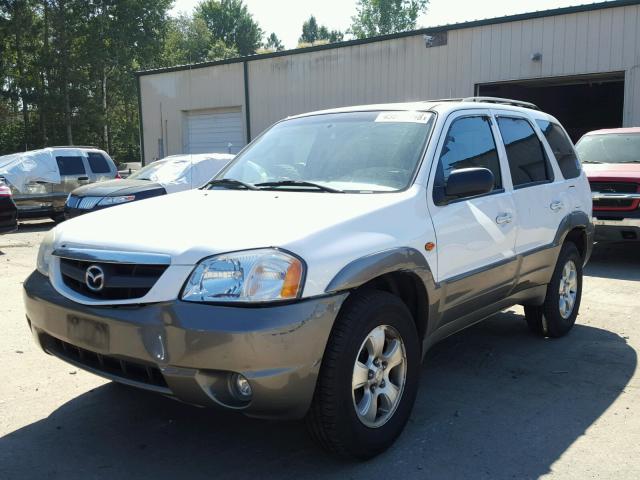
(615, 260)
(494, 402)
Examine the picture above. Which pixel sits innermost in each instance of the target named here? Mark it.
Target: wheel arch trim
(395, 260)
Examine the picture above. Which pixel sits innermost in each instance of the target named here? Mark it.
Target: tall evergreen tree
(231, 22)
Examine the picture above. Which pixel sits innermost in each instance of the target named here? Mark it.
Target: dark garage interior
(582, 103)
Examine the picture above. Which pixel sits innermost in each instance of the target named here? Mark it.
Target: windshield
(353, 152)
(162, 171)
(609, 148)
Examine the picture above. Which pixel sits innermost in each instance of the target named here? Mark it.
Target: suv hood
(195, 224)
(111, 188)
(613, 171)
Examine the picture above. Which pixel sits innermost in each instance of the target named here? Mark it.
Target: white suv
(310, 278)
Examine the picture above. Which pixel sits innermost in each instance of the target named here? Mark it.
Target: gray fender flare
(576, 219)
(364, 269)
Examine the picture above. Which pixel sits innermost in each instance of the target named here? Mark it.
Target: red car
(611, 159)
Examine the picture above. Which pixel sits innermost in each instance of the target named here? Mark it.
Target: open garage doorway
(581, 103)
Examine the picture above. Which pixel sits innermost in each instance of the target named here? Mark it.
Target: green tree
(113, 39)
(66, 71)
(231, 22)
(381, 17)
(312, 32)
(309, 30)
(273, 43)
(17, 45)
(189, 40)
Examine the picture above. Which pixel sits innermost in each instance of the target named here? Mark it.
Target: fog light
(242, 386)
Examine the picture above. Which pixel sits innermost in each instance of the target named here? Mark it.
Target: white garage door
(212, 132)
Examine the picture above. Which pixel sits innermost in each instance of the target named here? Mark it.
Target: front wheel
(557, 315)
(369, 377)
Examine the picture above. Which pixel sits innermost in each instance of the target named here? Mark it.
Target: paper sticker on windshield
(403, 117)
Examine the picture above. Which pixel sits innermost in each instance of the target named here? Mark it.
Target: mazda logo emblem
(94, 278)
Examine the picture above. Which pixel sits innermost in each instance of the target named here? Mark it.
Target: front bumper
(70, 213)
(624, 229)
(195, 348)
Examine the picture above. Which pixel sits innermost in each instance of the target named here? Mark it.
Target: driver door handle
(504, 218)
(556, 206)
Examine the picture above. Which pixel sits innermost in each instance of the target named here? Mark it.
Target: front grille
(122, 281)
(613, 187)
(112, 366)
(87, 203)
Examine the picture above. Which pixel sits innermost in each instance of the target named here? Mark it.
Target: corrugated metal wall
(167, 97)
(403, 69)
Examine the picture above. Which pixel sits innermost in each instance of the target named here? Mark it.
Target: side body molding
(459, 302)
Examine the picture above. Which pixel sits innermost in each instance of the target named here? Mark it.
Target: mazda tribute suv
(309, 278)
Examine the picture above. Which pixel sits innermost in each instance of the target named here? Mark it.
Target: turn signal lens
(292, 280)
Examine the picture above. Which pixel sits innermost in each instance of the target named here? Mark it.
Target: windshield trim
(417, 168)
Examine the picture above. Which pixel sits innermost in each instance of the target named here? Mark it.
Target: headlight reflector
(262, 275)
(107, 201)
(45, 253)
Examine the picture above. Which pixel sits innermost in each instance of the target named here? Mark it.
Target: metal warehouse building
(581, 64)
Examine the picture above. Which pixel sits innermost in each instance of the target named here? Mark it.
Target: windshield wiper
(590, 161)
(298, 183)
(230, 182)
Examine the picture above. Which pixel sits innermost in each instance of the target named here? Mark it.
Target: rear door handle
(81, 179)
(556, 206)
(504, 218)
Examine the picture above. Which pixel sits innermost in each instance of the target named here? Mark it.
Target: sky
(285, 17)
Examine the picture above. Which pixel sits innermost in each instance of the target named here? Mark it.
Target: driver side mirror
(469, 182)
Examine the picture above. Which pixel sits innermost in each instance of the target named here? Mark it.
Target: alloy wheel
(379, 376)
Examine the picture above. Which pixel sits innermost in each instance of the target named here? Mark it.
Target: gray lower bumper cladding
(192, 351)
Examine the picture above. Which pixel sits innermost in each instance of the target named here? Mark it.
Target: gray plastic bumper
(190, 350)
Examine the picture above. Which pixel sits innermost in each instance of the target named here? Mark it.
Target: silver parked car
(41, 180)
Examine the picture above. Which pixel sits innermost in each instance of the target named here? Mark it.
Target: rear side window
(469, 143)
(562, 148)
(98, 163)
(70, 165)
(527, 160)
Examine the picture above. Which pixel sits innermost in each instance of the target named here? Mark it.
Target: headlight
(263, 275)
(44, 253)
(107, 201)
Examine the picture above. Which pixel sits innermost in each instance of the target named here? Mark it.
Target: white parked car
(317, 269)
(176, 173)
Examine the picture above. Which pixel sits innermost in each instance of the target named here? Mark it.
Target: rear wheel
(368, 379)
(557, 315)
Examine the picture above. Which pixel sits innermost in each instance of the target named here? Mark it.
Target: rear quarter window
(70, 165)
(525, 153)
(561, 147)
(98, 163)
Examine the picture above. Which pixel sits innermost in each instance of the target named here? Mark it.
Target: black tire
(332, 419)
(58, 218)
(547, 320)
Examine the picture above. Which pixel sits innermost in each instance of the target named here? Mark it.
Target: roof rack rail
(503, 101)
(72, 146)
(444, 100)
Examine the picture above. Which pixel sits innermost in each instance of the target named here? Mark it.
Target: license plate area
(88, 332)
